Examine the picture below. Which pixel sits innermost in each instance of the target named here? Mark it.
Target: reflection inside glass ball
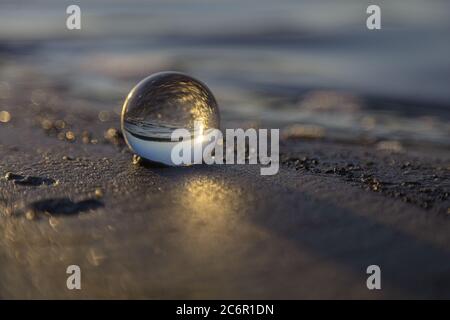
(162, 103)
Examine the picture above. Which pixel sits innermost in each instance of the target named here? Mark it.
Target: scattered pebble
(303, 131)
(30, 215)
(65, 206)
(111, 133)
(70, 136)
(103, 116)
(8, 211)
(10, 176)
(330, 101)
(86, 137)
(46, 124)
(114, 136)
(53, 222)
(390, 145)
(28, 180)
(136, 159)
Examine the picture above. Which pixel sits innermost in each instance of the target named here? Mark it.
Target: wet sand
(137, 231)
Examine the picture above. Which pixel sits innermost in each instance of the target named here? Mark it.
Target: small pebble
(53, 222)
(136, 159)
(9, 176)
(113, 136)
(98, 193)
(70, 136)
(30, 215)
(5, 116)
(86, 137)
(111, 133)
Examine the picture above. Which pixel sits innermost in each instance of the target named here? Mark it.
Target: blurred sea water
(308, 67)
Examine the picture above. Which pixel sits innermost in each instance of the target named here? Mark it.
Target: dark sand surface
(139, 231)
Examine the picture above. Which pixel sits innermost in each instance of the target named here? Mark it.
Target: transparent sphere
(162, 103)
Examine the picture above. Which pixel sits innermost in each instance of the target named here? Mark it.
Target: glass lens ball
(160, 104)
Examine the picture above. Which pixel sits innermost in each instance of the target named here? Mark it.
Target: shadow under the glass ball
(149, 164)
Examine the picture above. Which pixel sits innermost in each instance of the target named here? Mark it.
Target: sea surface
(311, 68)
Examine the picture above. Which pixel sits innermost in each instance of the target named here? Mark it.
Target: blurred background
(311, 68)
